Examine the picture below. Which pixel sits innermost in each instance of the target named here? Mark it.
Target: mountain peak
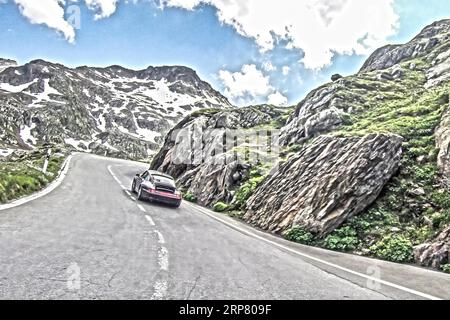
(429, 38)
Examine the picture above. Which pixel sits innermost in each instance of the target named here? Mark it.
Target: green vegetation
(299, 235)
(205, 112)
(190, 197)
(405, 108)
(246, 190)
(446, 268)
(221, 207)
(344, 239)
(394, 248)
(23, 177)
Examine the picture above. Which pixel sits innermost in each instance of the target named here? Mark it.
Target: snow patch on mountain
(112, 110)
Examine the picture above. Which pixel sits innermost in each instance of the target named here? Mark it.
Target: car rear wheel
(140, 196)
(133, 187)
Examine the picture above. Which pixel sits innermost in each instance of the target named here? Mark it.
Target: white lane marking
(330, 264)
(114, 176)
(128, 193)
(160, 290)
(150, 220)
(161, 239)
(56, 183)
(160, 287)
(163, 259)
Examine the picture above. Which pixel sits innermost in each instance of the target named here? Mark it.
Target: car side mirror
(138, 175)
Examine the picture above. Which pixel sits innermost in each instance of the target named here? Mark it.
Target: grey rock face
(443, 144)
(201, 151)
(324, 109)
(430, 37)
(6, 63)
(326, 183)
(113, 111)
(435, 253)
(440, 70)
(336, 77)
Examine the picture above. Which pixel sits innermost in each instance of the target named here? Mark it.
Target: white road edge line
(386, 283)
(150, 220)
(141, 208)
(161, 239)
(163, 259)
(52, 186)
(160, 289)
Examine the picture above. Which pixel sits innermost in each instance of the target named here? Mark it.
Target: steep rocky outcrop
(443, 144)
(113, 110)
(6, 63)
(202, 151)
(326, 183)
(358, 168)
(330, 106)
(430, 37)
(435, 253)
(321, 111)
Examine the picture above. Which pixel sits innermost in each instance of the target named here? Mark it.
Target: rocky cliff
(206, 151)
(325, 184)
(363, 163)
(113, 110)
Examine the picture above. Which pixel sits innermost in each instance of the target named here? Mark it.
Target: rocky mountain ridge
(363, 165)
(113, 111)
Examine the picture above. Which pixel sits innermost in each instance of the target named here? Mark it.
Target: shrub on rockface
(446, 268)
(344, 239)
(395, 248)
(221, 207)
(246, 190)
(299, 235)
(190, 197)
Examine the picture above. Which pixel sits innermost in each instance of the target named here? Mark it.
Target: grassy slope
(20, 178)
(399, 219)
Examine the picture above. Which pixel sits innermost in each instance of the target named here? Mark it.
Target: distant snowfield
(16, 89)
(26, 135)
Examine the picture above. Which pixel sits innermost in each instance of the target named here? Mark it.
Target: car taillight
(151, 190)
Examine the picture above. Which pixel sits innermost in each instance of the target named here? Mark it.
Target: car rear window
(164, 180)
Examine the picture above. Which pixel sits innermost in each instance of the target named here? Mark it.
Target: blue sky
(229, 50)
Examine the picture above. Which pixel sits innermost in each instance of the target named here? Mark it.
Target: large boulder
(328, 182)
(436, 252)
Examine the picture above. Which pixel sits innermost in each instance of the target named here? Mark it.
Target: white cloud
(277, 99)
(248, 82)
(320, 28)
(49, 13)
(286, 70)
(268, 66)
(105, 8)
(250, 85)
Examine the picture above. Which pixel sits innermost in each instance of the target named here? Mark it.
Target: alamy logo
(73, 16)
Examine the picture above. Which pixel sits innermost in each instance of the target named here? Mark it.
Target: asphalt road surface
(90, 239)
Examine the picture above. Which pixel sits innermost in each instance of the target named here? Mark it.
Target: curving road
(91, 239)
